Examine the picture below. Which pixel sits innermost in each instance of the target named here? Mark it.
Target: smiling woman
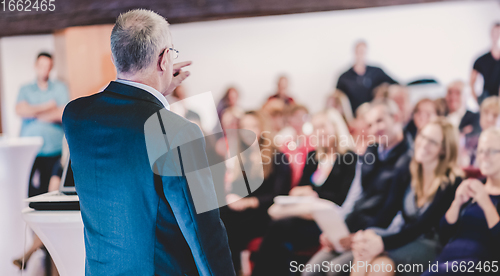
(422, 202)
(472, 223)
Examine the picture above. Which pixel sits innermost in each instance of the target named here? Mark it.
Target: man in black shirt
(488, 65)
(359, 81)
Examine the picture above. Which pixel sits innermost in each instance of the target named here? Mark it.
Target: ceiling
(69, 13)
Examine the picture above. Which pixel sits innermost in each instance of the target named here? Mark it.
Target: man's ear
(113, 60)
(163, 61)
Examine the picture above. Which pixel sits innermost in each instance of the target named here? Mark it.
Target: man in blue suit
(140, 217)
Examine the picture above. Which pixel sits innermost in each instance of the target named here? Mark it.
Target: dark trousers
(242, 227)
(40, 174)
(281, 240)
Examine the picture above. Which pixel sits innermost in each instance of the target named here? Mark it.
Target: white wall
(439, 39)
(17, 59)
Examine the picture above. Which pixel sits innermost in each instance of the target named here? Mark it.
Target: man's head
(141, 46)
(488, 153)
(360, 52)
(384, 122)
(399, 94)
(297, 116)
(43, 66)
(454, 96)
(495, 34)
(489, 113)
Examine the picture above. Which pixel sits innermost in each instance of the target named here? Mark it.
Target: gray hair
(390, 106)
(137, 39)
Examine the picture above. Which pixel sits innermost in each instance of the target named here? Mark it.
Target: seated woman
(472, 224)
(422, 199)
(294, 142)
(327, 174)
(245, 217)
(424, 112)
(320, 177)
(489, 113)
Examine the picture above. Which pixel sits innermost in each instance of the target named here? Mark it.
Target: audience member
(488, 118)
(488, 65)
(489, 112)
(282, 93)
(424, 112)
(294, 143)
(328, 174)
(229, 100)
(471, 225)
(217, 150)
(274, 109)
(359, 81)
(442, 107)
(399, 94)
(422, 198)
(339, 101)
(245, 217)
(466, 121)
(382, 162)
(359, 129)
(40, 104)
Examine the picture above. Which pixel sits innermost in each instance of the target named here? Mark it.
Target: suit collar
(393, 154)
(133, 92)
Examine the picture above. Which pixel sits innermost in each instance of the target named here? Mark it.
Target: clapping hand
(478, 192)
(463, 193)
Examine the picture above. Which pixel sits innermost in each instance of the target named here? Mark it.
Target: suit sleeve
(201, 227)
(394, 202)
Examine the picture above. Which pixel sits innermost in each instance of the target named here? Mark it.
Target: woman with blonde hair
(489, 113)
(471, 225)
(422, 198)
(425, 111)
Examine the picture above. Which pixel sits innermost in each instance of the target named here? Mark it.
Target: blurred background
(309, 43)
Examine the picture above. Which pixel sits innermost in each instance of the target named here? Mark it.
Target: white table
(62, 234)
(16, 159)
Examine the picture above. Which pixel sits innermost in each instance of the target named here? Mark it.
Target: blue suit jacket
(137, 222)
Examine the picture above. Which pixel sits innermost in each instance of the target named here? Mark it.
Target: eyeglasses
(488, 152)
(429, 139)
(174, 51)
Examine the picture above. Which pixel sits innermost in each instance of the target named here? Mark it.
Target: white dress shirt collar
(149, 89)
